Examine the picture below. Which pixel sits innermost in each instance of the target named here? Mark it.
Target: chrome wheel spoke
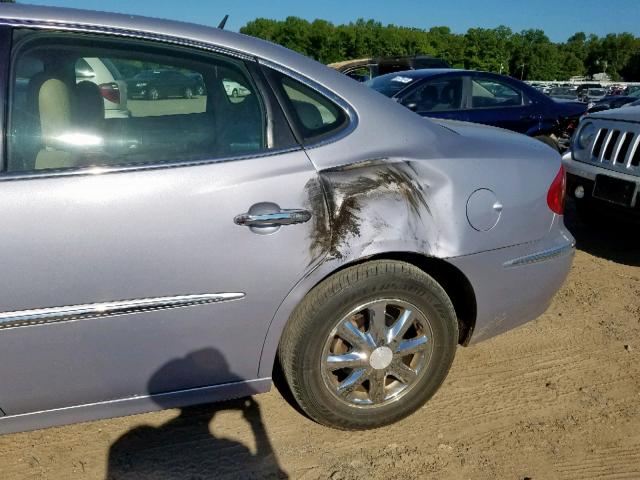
(376, 386)
(377, 322)
(411, 346)
(353, 381)
(367, 363)
(402, 372)
(349, 332)
(346, 360)
(400, 327)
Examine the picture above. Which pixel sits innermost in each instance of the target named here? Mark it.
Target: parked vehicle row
(156, 84)
(169, 257)
(615, 101)
(596, 96)
(161, 83)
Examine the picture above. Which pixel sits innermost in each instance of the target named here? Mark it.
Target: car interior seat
(54, 111)
(308, 114)
(88, 108)
(450, 97)
(428, 98)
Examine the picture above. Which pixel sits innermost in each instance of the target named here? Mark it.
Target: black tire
(188, 93)
(549, 141)
(303, 343)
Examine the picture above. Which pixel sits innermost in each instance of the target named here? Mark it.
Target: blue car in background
(483, 97)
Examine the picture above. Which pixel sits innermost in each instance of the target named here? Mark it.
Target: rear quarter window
(314, 115)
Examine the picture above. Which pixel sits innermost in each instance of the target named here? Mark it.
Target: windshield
(390, 84)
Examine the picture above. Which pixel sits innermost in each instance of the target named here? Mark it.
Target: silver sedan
(173, 256)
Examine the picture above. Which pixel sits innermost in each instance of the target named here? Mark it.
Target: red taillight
(110, 91)
(557, 192)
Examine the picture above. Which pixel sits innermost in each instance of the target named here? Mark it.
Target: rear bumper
(516, 284)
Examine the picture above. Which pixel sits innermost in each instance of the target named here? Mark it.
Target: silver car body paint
(394, 183)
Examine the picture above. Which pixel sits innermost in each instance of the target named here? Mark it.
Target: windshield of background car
(391, 84)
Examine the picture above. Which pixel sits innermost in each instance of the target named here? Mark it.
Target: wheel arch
(452, 280)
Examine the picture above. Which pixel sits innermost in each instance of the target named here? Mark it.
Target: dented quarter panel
(416, 201)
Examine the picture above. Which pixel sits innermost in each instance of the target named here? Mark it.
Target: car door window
(163, 105)
(489, 93)
(313, 114)
(438, 95)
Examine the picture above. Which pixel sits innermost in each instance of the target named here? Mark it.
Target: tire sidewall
(432, 304)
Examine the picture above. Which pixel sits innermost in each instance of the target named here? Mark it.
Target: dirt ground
(557, 398)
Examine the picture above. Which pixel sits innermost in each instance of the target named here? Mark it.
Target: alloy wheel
(376, 353)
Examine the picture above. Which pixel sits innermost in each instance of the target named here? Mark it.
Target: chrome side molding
(39, 316)
(541, 256)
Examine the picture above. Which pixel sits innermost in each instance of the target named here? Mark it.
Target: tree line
(528, 54)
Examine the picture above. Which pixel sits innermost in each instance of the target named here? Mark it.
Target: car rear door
(493, 101)
(130, 245)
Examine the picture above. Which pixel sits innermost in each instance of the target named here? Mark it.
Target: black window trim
(110, 34)
(5, 55)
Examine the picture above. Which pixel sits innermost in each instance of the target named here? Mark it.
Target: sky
(558, 18)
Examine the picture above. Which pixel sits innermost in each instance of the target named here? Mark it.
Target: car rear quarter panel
(400, 204)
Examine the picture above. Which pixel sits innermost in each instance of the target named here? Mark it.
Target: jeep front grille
(617, 147)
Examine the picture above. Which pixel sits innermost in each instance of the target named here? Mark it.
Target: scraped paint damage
(368, 202)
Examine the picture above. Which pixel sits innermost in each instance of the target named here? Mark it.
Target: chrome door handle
(275, 219)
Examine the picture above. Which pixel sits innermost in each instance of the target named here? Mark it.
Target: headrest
(309, 114)
(54, 106)
(430, 93)
(88, 106)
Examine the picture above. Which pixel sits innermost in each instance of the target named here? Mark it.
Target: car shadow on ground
(186, 448)
(610, 239)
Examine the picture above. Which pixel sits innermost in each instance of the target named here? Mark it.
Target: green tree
(528, 54)
(488, 49)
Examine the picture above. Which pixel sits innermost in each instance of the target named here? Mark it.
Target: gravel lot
(557, 398)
